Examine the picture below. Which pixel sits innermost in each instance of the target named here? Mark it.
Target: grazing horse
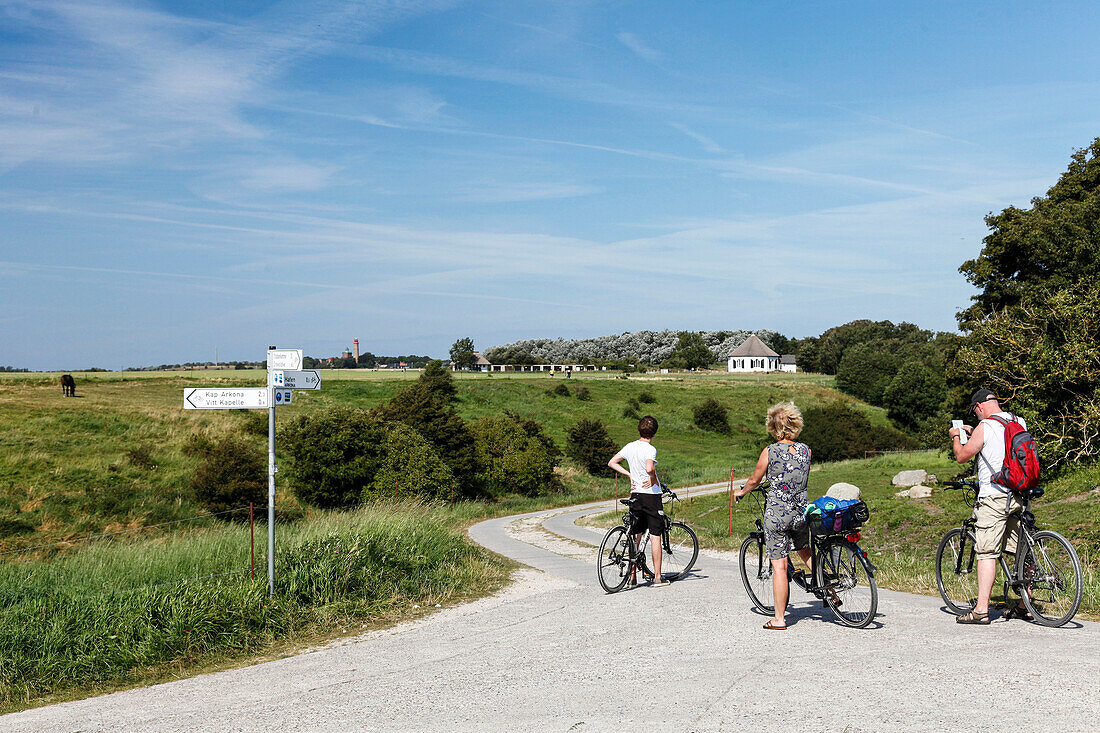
(68, 385)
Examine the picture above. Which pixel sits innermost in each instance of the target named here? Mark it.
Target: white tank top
(993, 454)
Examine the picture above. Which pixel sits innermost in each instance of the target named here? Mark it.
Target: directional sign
(283, 396)
(247, 398)
(284, 359)
(308, 379)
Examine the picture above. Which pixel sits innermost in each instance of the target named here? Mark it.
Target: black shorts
(648, 514)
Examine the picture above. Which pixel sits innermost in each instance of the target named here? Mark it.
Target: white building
(753, 356)
(788, 363)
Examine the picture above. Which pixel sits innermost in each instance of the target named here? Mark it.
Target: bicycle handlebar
(960, 485)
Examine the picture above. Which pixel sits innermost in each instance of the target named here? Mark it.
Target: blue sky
(177, 178)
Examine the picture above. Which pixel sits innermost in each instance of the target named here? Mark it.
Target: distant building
(788, 363)
(753, 356)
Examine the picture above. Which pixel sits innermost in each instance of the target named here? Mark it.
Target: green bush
(590, 446)
(631, 411)
(646, 398)
(512, 462)
(837, 431)
(712, 416)
(334, 455)
(534, 429)
(558, 390)
(425, 408)
(410, 468)
(231, 474)
(583, 394)
(914, 394)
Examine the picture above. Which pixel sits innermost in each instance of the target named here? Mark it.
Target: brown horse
(68, 385)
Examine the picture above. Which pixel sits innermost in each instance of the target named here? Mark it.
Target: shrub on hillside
(510, 460)
(231, 473)
(334, 455)
(558, 390)
(410, 468)
(631, 411)
(534, 429)
(427, 411)
(646, 398)
(838, 431)
(712, 416)
(583, 394)
(438, 381)
(590, 446)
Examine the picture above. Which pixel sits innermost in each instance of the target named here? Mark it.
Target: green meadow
(165, 595)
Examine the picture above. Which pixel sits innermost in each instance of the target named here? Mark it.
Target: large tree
(1051, 246)
(462, 353)
(1032, 331)
(691, 352)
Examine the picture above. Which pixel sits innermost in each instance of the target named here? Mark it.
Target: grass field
(169, 601)
(114, 457)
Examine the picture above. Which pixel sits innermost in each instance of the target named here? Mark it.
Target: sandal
(773, 626)
(1018, 612)
(974, 618)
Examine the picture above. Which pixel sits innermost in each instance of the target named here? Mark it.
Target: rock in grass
(843, 491)
(914, 492)
(910, 478)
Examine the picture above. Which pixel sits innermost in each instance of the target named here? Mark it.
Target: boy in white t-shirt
(645, 489)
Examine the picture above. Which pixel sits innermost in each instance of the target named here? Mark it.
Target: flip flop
(771, 626)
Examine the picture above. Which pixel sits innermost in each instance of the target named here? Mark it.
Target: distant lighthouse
(356, 347)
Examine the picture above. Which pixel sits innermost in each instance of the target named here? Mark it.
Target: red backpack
(1020, 472)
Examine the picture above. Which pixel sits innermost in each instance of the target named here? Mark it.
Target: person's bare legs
(781, 589)
(808, 559)
(987, 573)
(655, 551)
(634, 568)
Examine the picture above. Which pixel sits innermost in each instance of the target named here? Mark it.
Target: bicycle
(1047, 574)
(843, 578)
(620, 557)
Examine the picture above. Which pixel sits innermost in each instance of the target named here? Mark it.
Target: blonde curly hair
(784, 421)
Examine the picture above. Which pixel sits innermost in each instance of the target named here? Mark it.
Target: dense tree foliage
(462, 353)
(411, 468)
(838, 431)
(512, 461)
(691, 352)
(427, 405)
(334, 455)
(231, 474)
(1052, 246)
(638, 347)
(509, 355)
(1033, 329)
(914, 394)
(590, 446)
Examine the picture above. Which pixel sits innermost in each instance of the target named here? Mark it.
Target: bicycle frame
(817, 543)
(1027, 527)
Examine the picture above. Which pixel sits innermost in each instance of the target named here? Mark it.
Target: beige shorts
(996, 528)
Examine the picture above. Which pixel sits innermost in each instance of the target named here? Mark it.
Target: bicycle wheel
(1050, 577)
(841, 567)
(613, 562)
(756, 573)
(679, 550)
(957, 571)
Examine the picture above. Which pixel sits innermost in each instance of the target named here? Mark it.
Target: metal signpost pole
(270, 483)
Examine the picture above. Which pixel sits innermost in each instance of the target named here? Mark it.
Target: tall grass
(116, 614)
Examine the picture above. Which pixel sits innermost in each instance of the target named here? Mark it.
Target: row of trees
(682, 349)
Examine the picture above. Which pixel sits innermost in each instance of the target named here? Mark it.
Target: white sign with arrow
(292, 379)
(284, 359)
(206, 398)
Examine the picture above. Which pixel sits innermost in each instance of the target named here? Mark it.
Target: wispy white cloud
(638, 46)
(709, 145)
(523, 191)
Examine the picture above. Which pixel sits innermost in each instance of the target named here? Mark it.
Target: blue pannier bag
(832, 516)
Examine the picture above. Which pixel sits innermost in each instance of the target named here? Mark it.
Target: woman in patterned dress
(787, 467)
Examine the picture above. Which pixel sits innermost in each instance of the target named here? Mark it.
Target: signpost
(292, 379)
(283, 375)
(248, 398)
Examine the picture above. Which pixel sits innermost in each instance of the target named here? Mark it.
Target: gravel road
(552, 652)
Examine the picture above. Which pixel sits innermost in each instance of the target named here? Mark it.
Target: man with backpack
(998, 435)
